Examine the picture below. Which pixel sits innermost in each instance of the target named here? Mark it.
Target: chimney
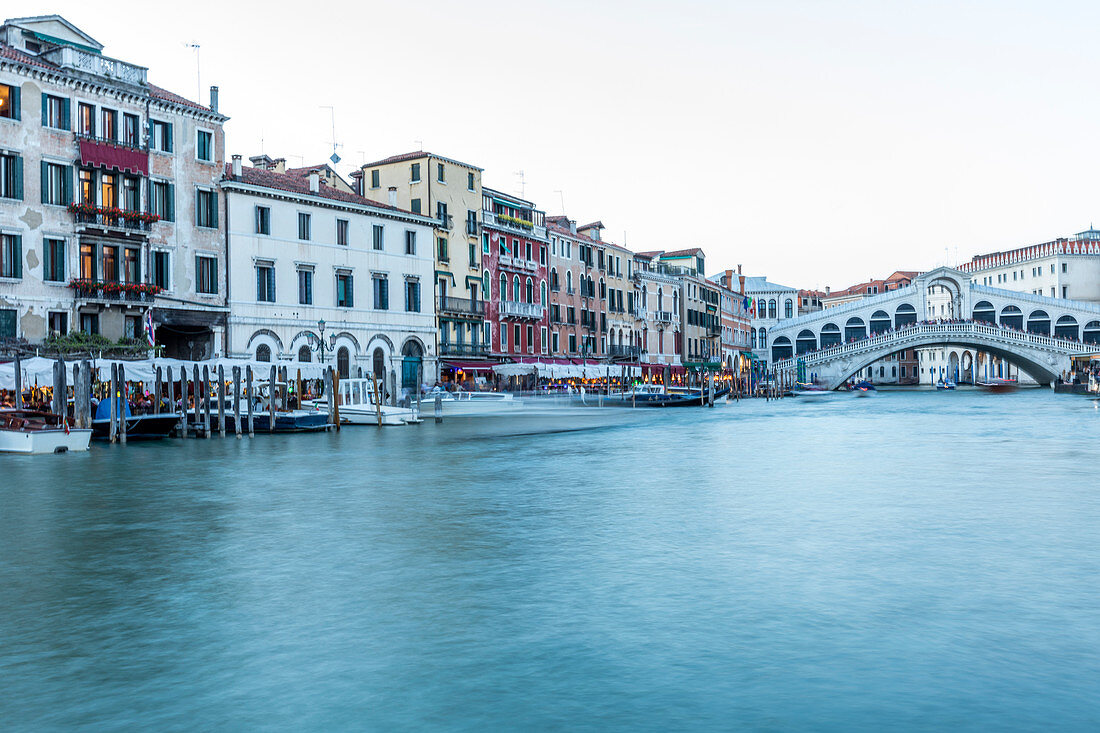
(213, 99)
(393, 195)
(826, 289)
(278, 165)
(739, 269)
(236, 166)
(314, 182)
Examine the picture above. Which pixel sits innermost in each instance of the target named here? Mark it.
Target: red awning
(470, 366)
(103, 154)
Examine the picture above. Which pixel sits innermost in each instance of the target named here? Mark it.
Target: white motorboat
(472, 404)
(356, 400)
(29, 431)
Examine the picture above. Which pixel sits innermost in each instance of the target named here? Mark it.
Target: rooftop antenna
(522, 183)
(419, 145)
(362, 157)
(198, 70)
(561, 196)
(332, 114)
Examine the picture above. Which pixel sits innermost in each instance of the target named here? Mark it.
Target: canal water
(917, 560)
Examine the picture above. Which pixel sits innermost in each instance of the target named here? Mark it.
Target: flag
(150, 332)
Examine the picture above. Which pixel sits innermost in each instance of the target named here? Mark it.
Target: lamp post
(321, 328)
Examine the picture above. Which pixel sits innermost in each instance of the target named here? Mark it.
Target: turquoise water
(912, 561)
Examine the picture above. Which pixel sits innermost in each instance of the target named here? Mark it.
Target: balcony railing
(462, 306)
(662, 316)
(114, 292)
(489, 218)
(110, 217)
(620, 352)
(518, 263)
(515, 309)
(463, 349)
(68, 57)
(131, 144)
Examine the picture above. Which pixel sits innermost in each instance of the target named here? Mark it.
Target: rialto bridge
(941, 308)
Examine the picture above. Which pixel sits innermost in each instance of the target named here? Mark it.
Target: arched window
(554, 279)
(343, 362)
(660, 299)
(263, 352)
(515, 288)
(529, 292)
(378, 363)
(788, 308)
(753, 330)
(904, 314)
(304, 355)
(675, 301)
(1039, 322)
(603, 289)
(1091, 334)
(984, 311)
(542, 292)
(854, 329)
(764, 338)
(771, 308)
(1066, 328)
(880, 322)
(1012, 317)
(411, 359)
(781, 349)
(806, 342)
(830, 335)
(569, 281)
(485, 285)
(503, 287)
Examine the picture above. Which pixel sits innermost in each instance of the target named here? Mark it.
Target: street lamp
(320, 342)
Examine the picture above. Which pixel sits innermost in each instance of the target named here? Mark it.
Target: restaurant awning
(469, 366)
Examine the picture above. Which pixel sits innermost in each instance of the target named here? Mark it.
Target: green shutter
(45, 109)
(170, 215)
(214, 209)
(168, 137)
(198, 207)
(65, 114)
(68, 181)
(149, 131)
(17, 176)
(17, 256)
(16, 104)
(45, 185)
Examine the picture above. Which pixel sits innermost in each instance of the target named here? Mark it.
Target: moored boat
(148, 427)
(31, 431)
(999, 386)
(358, 406)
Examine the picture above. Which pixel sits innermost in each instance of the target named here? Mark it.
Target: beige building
(450, 192)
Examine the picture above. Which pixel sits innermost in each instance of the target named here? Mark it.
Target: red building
(515, 256)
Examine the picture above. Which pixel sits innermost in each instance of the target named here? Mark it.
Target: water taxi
(31, 431)
(358, 406)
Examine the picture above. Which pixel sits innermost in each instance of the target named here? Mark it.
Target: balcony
(624, 352)
(460, 306)
(111, 218)
(113, 292)
(503, 221)
(68, 57)
(639, 313)
(463, 350)
(445, 221)
(515, 309)
(518, 263)
(662, 316)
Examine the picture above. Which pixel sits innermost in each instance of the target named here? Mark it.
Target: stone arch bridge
(941, 307)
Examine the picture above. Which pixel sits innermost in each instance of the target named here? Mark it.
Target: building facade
(1068, 267)
(318, 273)
(657, 312)
(734, 318)
(515, 272)
(108, 197)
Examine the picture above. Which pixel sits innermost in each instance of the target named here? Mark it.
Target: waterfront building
(657, 297)
(699, 336)
(515, 261)
(302, 252)
(1067, 267)
(109, 204)
(734, 318)
(809, 301)
(450, 192)
(771, 303)
(621, 323)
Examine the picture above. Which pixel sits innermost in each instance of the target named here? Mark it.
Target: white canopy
(566, 371)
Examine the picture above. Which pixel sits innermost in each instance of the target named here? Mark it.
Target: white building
(301, 252)
(771, 304)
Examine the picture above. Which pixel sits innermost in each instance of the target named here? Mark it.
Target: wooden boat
(31, 431)
(999, 386)
(655, 395)
(138, 427)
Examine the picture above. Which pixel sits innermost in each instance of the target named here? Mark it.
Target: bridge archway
(781, 348)
(1091, 334)
(880, 322)
(1066, 328)
(904, 314)
(953, 285)
(967, 376)
(830, 335)
(984, 311)
(1039, 322)
(953, 371)
(854, 329)
(1012, 317)
(806, 342)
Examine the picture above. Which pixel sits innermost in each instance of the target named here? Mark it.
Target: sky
(815, 143)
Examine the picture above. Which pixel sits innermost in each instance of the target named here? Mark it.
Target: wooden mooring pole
(237, 401)
(221, 400)
(248, 398)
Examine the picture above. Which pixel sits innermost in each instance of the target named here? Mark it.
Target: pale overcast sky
(817, 143)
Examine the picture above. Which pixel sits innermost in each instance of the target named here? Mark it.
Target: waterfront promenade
(918, 560)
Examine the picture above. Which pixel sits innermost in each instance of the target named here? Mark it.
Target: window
(160, 134)
(162, 198)
(57, 184)
(161, 273)
(108, 189)
(11, 176)
(414, 206)
(130, 134)
(554, 342)
(572, 343)
(206, 209)
(88, 263)
(344, 290)
(11, 255)
(439, 173)
(109, 263)
(1064, 267)
(132, 327)
(414, 173)
(89, 323)
(53, 259)
(87, 186)
(504, 337)
(304, 226)
(410, 242)
(1065, 291)
(206, 275)
(263, 220)
(265, 282)
(131, 194)
(377, 234)
(516, 332)
(788, 309)
(375, 179)
(530, 339)
(58, 323)
(381, 293)
(470, 181)
(305, 286)
(9, 102)
(473, 254)
(412, 296)
(109, 128)
(485, 244)
(442, 244)
(204, 146)
(85, 119)
(55, 112)
(342, 232)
